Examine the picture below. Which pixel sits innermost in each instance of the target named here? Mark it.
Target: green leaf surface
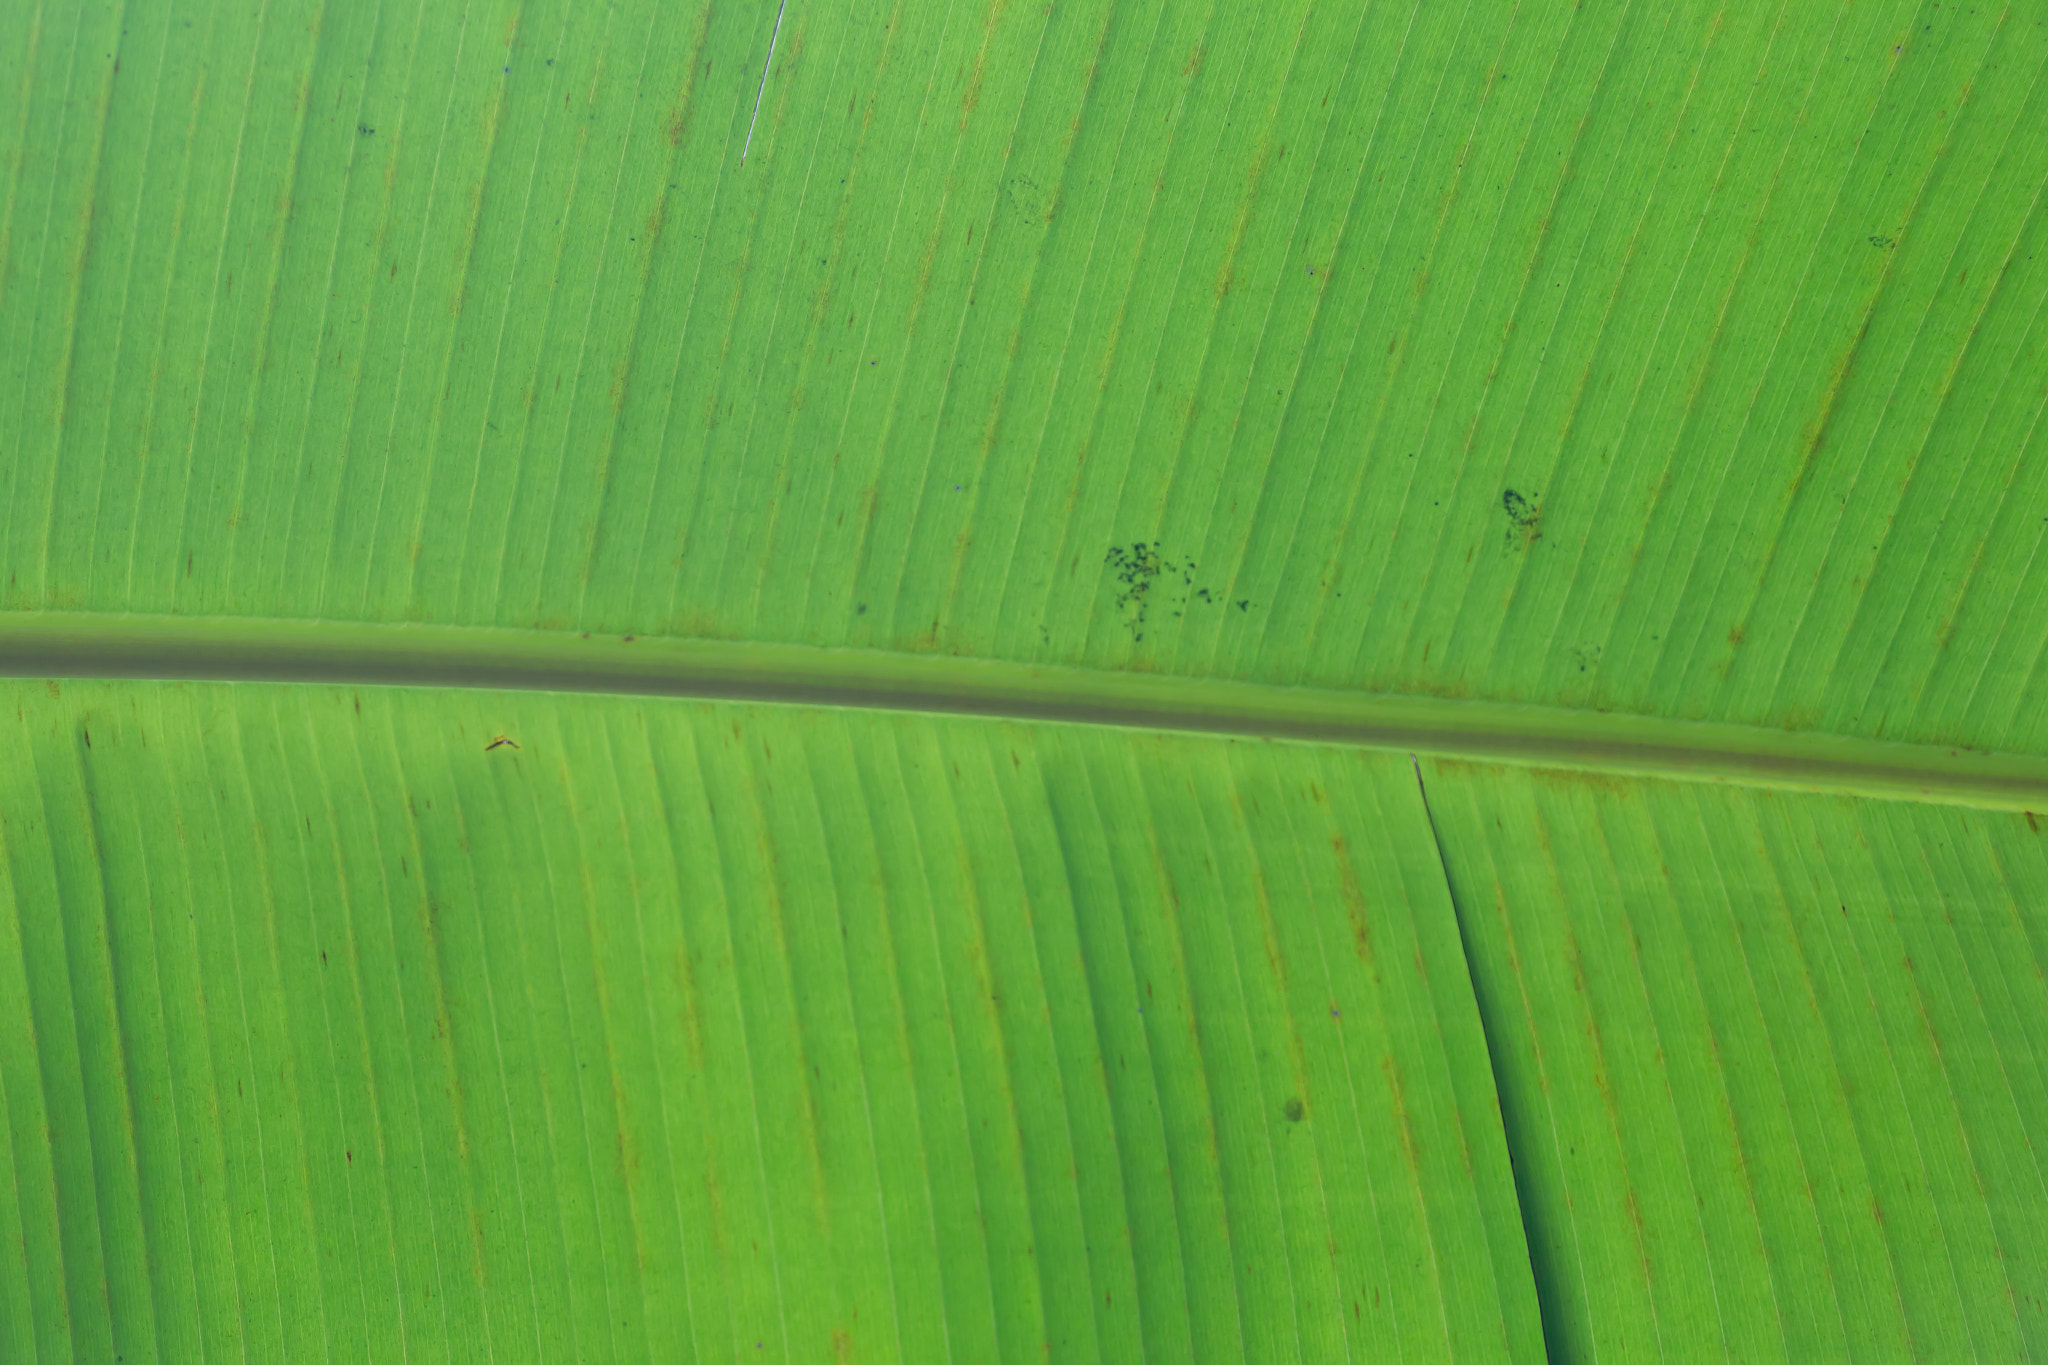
(1771, 1064)
(1015, 483)
(667, 1029)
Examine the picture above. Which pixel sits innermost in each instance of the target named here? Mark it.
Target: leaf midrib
(73, 645)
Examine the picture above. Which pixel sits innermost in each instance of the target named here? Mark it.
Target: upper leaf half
(1678, 359)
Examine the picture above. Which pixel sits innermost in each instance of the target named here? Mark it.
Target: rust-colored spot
(972, 99)
(1735, 636)
(1816, 433)
(1573, 781)
(2032, 824)
(1354, 900)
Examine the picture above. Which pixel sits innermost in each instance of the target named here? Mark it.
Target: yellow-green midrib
(93, 646)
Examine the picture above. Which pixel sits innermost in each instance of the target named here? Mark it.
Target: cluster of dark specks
(1525, 518)
(1140, 567)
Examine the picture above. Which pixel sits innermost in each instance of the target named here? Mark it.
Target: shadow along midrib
(188, 648)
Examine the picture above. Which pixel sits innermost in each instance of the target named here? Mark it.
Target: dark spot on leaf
(1295, 1110)
(1525, 518)
(1139, 567)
